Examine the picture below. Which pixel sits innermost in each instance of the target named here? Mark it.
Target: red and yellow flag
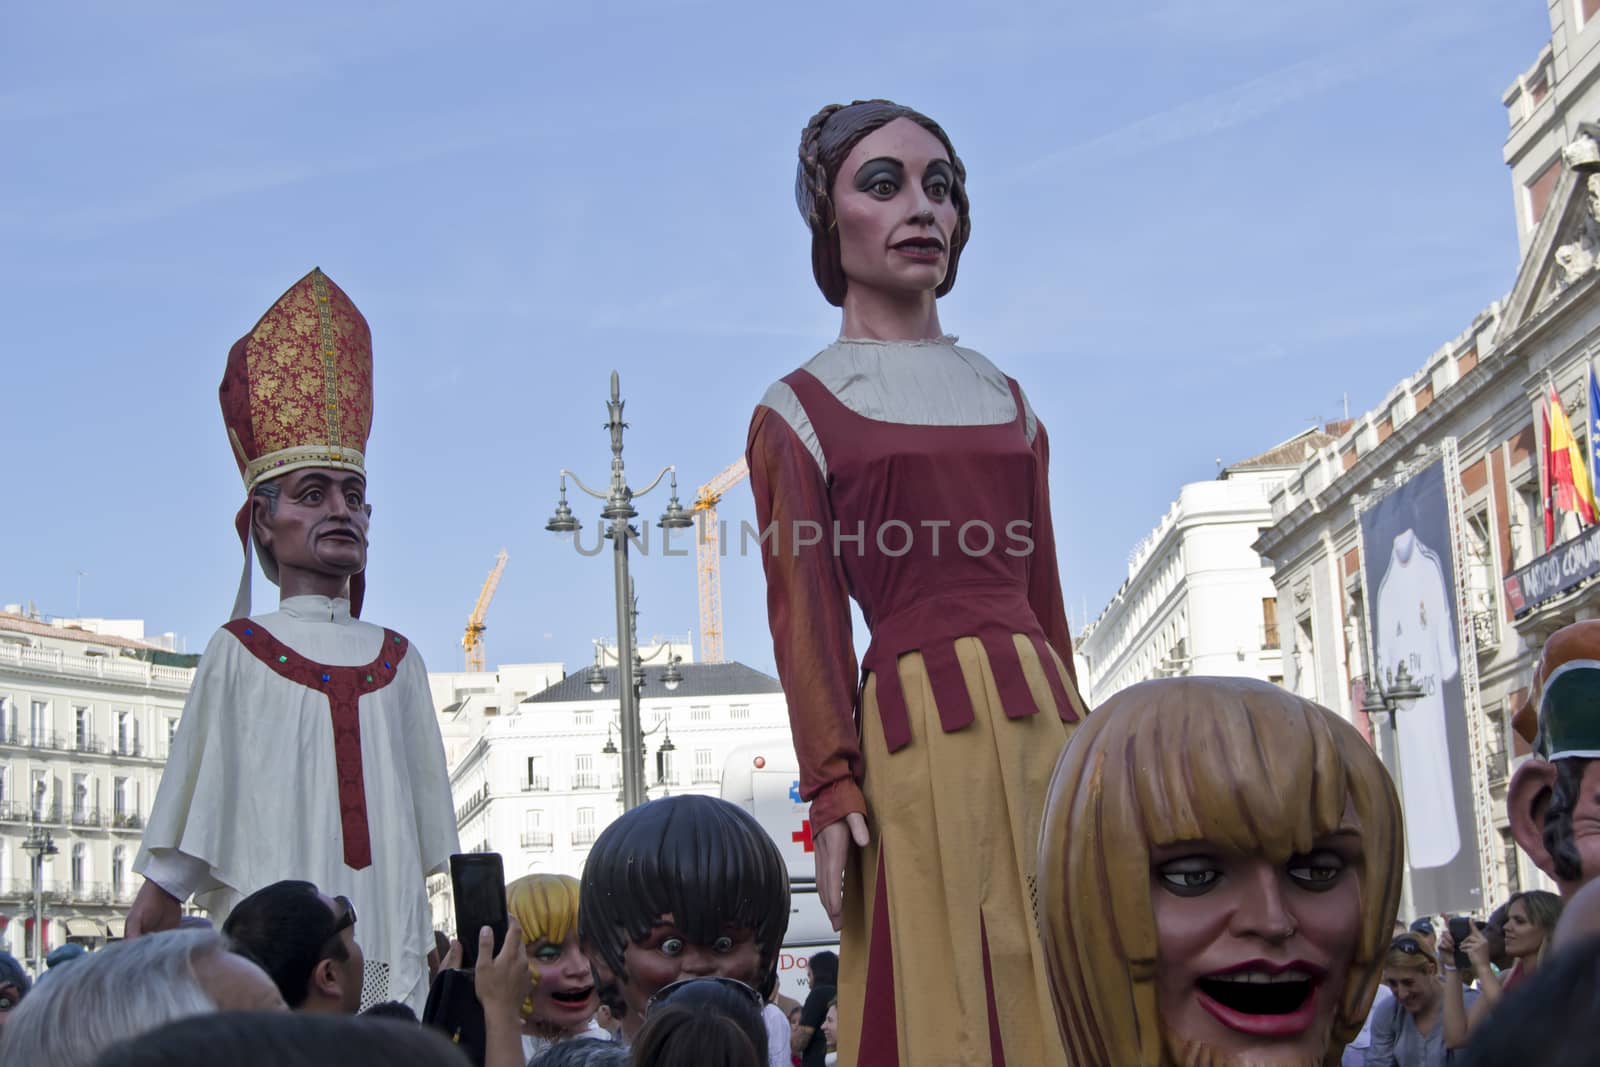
(1570, 474)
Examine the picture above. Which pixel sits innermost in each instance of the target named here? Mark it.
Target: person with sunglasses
(305, 941)
(1411, 1033)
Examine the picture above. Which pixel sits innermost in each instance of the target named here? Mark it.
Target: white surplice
(250, 794)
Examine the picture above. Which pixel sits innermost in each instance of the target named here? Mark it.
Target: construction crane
(708, 559)
(473, 642)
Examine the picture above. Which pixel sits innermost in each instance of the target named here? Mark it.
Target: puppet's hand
(833, 846)
(154, 909)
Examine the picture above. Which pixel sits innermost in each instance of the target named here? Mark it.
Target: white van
(763, 778)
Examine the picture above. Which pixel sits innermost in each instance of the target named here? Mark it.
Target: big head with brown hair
(1218, 872)
(884, 194)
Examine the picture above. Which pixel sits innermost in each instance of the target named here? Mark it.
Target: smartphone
(1460, 930)
(479, 882)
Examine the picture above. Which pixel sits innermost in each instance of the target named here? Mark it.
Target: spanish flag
(1570, 474)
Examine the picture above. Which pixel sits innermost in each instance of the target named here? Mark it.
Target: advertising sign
(1412, 618)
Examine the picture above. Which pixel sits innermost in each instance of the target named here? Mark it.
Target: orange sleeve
(808, 609)
(1044, 574)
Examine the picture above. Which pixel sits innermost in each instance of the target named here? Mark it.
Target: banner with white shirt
(1412, 618)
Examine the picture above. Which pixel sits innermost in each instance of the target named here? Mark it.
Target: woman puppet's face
(897, 217)
(564, 993)
(1253, 955)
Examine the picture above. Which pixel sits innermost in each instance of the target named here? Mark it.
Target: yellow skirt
(940, 960)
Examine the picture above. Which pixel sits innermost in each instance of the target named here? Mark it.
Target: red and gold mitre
(297, 391)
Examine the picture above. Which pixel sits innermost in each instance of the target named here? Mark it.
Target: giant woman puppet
(910, 473)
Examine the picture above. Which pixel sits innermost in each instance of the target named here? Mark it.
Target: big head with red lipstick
(564, 999)
(1218, 873)
(859, 232)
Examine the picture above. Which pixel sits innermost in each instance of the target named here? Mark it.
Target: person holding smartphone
(1531, 919)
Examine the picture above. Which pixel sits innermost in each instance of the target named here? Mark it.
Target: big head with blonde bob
(1241, 765)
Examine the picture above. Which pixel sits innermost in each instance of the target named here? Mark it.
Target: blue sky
(1198, 226)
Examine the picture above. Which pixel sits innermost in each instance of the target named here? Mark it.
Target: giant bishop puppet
(308, 747)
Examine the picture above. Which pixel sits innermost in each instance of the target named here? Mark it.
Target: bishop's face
(317, 531)
(896, 215)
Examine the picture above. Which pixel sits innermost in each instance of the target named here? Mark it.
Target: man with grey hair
(128, 988)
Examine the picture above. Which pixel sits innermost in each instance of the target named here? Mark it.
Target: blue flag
(1594, 426)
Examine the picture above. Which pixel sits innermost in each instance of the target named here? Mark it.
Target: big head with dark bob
(702, 860)
(825, 143)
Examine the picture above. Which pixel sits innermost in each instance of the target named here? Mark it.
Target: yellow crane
(473, 641)
(707, 555)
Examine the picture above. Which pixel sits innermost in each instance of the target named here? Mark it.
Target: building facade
(540, 779)
(1479, 399)
(1198, 599)
(88, 709)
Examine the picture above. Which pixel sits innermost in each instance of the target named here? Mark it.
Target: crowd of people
(677, 967)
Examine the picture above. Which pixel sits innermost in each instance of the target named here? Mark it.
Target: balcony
(584, 836)
(585, 780)
(103, 668)
(87, 819)
(536, 785)
(21, 889)
(1498, 768)
(473, 804)
(707, 778)
(542, 840)
(127, 820)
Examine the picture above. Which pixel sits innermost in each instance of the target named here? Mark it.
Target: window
(119, 871)
(83, 729)
(704, 773)
(39, 788)
(5, 783)
(584, 832)
(1540, 189)
(700, 713)
(584, 777)
(80, 798)
(39, 714)
(1269, 622)
(120, 797)
(127, 733)
(583, 718)
(8, 722)
(79, 863)
(739, 711)
(664, 768)
(172, 734)
(536, 780)
(533, 831)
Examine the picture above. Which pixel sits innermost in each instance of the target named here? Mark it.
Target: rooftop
(699, 680)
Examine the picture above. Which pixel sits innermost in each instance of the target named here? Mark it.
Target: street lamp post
(1401, 690)
(38, 845)
(617, 512)
(671, 678)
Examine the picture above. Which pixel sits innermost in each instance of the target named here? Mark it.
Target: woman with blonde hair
(1219, 870)
(564, 998)
(1529, 928)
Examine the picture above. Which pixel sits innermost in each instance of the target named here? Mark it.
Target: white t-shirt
(778, 1054)
(1415, 626)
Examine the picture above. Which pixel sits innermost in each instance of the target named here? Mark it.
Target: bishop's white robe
(309, 749)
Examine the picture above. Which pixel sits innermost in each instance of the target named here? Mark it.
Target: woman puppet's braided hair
(825, 142)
